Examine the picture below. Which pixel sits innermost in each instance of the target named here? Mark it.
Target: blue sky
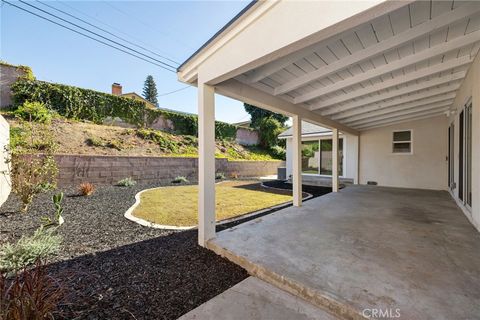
(171, 28)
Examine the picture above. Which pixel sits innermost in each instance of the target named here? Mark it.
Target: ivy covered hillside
(85, 121)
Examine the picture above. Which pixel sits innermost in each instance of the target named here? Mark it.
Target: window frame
(403, 141)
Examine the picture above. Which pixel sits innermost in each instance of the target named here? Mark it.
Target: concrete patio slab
(254, 299)
(407, 252)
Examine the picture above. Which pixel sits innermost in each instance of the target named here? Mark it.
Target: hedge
(85, 104)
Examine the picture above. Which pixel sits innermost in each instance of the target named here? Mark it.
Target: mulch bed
(117, 269)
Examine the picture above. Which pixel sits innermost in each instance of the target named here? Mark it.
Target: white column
(335, 160)
(297, 161)
(206, 163)
(356, 153)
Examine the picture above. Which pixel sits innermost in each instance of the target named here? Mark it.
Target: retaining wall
(74, 169)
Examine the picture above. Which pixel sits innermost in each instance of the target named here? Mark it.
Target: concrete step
(326, 302)
(254, 299)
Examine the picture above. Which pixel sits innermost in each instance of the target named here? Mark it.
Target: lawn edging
(129, 213)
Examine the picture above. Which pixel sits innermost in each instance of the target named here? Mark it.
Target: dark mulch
(121, 270)
(315, 191)
(117, 268)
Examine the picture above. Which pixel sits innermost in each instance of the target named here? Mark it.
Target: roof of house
(243, 124)
(307, 129)
(225, 27)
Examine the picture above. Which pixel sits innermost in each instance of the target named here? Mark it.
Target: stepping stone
(255, 299)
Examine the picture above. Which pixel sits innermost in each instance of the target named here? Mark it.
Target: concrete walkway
(254, 299)
(407, 252)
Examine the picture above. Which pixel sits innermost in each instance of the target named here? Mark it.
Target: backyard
(234, 198)
(117, 269)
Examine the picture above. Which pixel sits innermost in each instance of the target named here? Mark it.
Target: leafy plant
(180, 179)
(219, 176)
(58, 216)
(95, 142)
(32, 162)
(126, 182)
(278, 152)
(34, 111)
(31, 294)
(43, 243)
(46, 186)
(165, 143)
(86, 189)
(269, 129)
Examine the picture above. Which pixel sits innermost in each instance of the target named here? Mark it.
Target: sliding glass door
(465, 156)
(468, 155)
(317, 157)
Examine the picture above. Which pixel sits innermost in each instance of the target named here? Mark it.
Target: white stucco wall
(470, 89)
(5, 185)
(350, 154)
(425, 168)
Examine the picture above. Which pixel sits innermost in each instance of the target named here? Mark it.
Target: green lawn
(177, 206)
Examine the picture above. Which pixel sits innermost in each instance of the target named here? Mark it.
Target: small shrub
(95, 142)
(46, 186)
(43, 243)
(31, 294)
(180, 179)
(127, 182)
(115, 144)
(164, 142)
(32, 162)
(278, 152)
(234, 175)
(219, 176)
(86, 189)
(34, 111)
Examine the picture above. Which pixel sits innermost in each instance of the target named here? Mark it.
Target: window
(402, 141)
(317, 156)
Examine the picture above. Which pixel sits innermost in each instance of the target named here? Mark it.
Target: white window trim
(407, 141)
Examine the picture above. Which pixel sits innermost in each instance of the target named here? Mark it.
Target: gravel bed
(117, 268)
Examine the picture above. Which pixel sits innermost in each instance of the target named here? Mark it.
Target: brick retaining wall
(75, 169)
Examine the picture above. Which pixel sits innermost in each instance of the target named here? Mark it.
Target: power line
(96, 34)
(87, 36)
(174, 91)
(113, 28)
(130, 16)
(106, 31)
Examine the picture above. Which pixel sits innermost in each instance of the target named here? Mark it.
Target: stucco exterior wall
(8, 75)
(425, 168)
(470, 89)
(5, 183)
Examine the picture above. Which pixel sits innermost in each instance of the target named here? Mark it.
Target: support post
(206, 163)
(297, 161)
(335, 160)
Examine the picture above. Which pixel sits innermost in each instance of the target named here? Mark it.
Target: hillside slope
(76, 137)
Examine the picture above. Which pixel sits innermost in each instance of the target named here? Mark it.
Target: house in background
(317, 157)
(117, 91)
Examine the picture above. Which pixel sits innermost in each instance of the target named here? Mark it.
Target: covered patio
(367, 248)
(398, 81)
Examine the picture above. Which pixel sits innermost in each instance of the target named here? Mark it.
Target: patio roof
(390, 63)
(307, 130)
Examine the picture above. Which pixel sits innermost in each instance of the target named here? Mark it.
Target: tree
(257, 114)
(150, 90)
